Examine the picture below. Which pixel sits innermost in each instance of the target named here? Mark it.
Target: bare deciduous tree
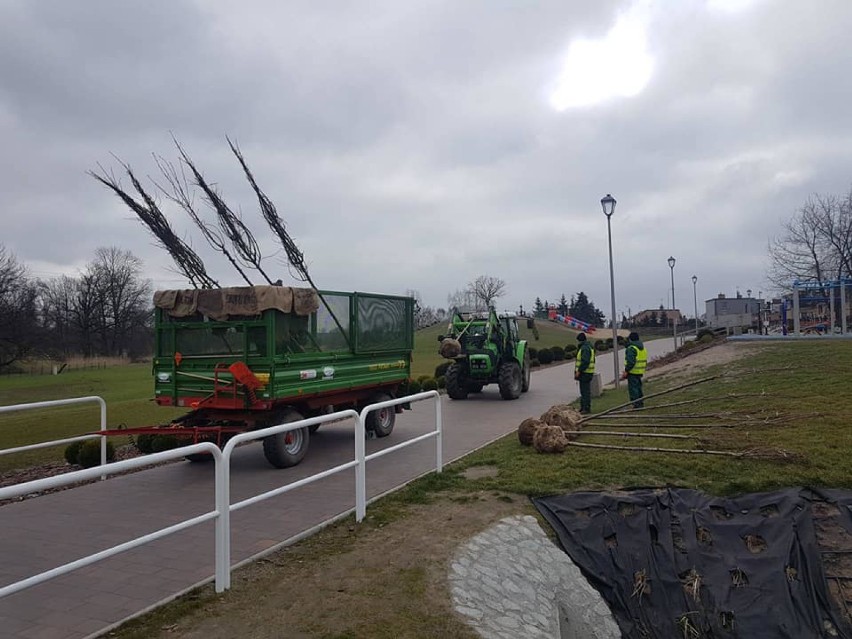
(815, 244)
(485, 290)
(19, 330)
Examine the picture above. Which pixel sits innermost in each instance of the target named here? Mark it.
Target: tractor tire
(510, 380)
(456, 384)
(526, 373)
(381, 421)
(287, 449)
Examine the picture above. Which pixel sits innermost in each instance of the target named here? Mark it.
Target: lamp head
(608, 205)
(671, 262)
(694, 279)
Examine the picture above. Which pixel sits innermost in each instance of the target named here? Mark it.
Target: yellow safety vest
(641, 360)
(591, 368)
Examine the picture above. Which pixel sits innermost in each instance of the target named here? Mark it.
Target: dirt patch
(692, 361)
(370, 580)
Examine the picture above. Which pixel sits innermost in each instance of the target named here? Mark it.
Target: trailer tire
(510, 380)
(287, 449)
(199, 458)
(456, 385)
(381, 421)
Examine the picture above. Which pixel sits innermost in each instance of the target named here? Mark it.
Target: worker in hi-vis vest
(584, 368)
(635, 362)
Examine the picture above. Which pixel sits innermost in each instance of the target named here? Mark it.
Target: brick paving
(42, 533)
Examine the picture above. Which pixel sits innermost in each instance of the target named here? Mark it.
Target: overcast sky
(420, 144)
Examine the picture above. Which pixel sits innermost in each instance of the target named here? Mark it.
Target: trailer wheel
(287, 449)
(381, 421)
(199, 458)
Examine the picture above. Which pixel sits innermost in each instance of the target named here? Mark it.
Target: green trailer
(244, 358)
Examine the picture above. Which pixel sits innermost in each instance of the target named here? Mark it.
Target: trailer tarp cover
(679, 563)
(221, 303)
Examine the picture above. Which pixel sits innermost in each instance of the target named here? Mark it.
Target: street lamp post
(608, 206)
(695, 302)
(671, 262)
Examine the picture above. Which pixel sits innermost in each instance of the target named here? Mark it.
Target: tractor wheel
(510, 380)
(525, 384)
(455, 381)
(286, 449)
(381, 421)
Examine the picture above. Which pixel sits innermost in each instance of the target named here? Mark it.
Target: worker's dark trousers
(634, 390)
(586, 392)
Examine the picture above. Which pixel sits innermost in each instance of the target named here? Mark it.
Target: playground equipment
(817, 290)
(573, 322)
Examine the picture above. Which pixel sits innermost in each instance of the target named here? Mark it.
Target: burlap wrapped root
(527, 429)
(549, 439)
(564, 416)
(450, 348)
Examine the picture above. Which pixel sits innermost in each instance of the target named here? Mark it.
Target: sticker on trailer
(328, 372)
(307, 374)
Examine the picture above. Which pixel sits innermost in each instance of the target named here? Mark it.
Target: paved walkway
(42, 533)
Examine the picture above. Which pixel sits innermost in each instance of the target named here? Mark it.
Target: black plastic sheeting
(757, 557)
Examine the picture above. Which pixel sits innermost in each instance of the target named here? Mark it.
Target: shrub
(558, 353)
(442, 381)
(545, 356)
(622, 341)
(430, 384)
(165, 442)
(441, 369)
(600, 345)
(414, 387)
(706, 338)
(703, 333)
(72, 452)
(90, 453)
(608, 343)
(144, 442)
(534, 363)
(533, 352)
(422, 379)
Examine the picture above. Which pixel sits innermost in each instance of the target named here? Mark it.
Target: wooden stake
(626, 434)
(659, 450)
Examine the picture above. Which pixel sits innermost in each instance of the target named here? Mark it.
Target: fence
(222, 478)
(59, 402)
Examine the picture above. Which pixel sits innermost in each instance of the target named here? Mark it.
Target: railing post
(103, 439)
(223, 523)
(439, 437)
(360, 469)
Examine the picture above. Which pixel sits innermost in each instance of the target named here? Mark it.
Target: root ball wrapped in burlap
(549, 439)
(527, 429)
(563, 415)
(450, 348)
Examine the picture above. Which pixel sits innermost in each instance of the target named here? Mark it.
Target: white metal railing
(37, 485)
(223, 507)
(362, 458)
(51, 404)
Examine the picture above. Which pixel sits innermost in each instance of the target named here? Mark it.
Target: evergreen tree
(563, 305)
(538, 309)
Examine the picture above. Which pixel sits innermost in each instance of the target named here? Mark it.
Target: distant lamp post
(695, 302)
(671, 262)
(608, 206)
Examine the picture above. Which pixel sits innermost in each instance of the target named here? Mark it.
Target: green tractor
(485, 349)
